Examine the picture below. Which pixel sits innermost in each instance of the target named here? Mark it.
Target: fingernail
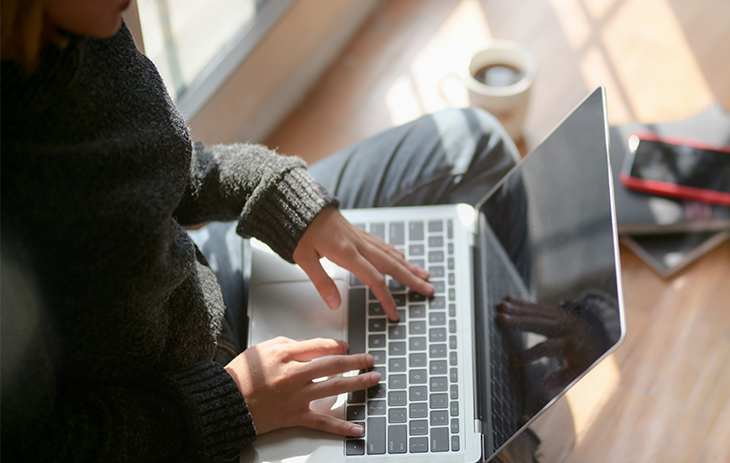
(375, 376)
(357, 430)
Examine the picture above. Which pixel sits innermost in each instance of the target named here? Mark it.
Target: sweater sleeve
(272, 196)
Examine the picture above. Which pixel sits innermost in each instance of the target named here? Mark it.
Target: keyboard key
(439, 439)
(453, 358)
(376, 436)
(418, 262)
(418, 427)
(356, 412)
(397, 332)
(417, 327)
(356, 397)
(375, 309)
(416, 250)
(356, 323)
(435, 226)
(397, 233)
(450, 229)
(454, 425)
(450, 249)
(439, 286)
(439, 418)
(397, 364)
(418, 444)
(438, 367)
(376, 407)
(437, 335)
(435, 257)
(379, 356)
(452, 342)
(376, 341)
(415, 231)
(417, 343)
(450, 264)
(454, 408)
(355, 447)
(452, 310)
(437, 271)
(378, 229)
(377, 391)
(377, 324)
(397, 415)
(455, 443)
(438, 384)
(418, 377)
(417, 311)
(437, 350)
(417, 360)
(454, 374)
(454, 392)
(400, 300)
(397, 438)
(437, 401)
(416, 297)
(452, 279)
(397, 348)
(397, 381)
(452, 326)
(438, 302)
(417, 393)
(435, 241)
(395, 285)
(418, 410)
(397, 399)
(452, 294)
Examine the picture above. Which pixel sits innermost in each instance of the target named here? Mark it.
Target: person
(111, 316)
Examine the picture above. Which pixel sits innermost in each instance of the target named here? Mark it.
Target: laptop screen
(548, 254)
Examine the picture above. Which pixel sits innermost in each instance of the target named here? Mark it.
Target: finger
(397, 264)
(337, 385)
(336, 365)
(330, 424)
(314, 348)
(275, 341)
(375, 280)
(549, 348)
(324, 284)
(532, 324)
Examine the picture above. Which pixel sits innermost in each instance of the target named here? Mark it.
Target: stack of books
(669, 234)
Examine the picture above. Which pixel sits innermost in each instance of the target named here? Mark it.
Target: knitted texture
(98, 174)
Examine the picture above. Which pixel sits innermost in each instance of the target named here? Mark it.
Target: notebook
(458, 382)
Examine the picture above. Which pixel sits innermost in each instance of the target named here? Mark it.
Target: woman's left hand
(330, 235)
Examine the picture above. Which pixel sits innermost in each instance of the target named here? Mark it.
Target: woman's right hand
(277, 377)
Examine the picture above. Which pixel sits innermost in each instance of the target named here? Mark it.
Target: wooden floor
(664, 396)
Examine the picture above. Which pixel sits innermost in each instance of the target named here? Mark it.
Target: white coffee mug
(508, 103)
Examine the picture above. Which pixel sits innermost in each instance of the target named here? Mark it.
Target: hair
(25, 31)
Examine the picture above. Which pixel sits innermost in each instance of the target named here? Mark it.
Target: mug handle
(453, 75)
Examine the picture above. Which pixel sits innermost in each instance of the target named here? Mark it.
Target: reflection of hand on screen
(568, 336)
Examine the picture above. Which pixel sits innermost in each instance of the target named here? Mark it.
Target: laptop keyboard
(415, 407)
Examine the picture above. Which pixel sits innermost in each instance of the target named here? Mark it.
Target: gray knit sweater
(109, 314)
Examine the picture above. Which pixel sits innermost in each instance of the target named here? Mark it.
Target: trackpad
(296, 310)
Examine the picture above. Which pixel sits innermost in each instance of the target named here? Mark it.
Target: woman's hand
(330, 235)
(276, 380)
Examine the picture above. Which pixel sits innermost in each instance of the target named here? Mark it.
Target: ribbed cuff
(218, 418)
(281, 220)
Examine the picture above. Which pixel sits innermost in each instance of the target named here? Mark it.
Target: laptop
(531, 269)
